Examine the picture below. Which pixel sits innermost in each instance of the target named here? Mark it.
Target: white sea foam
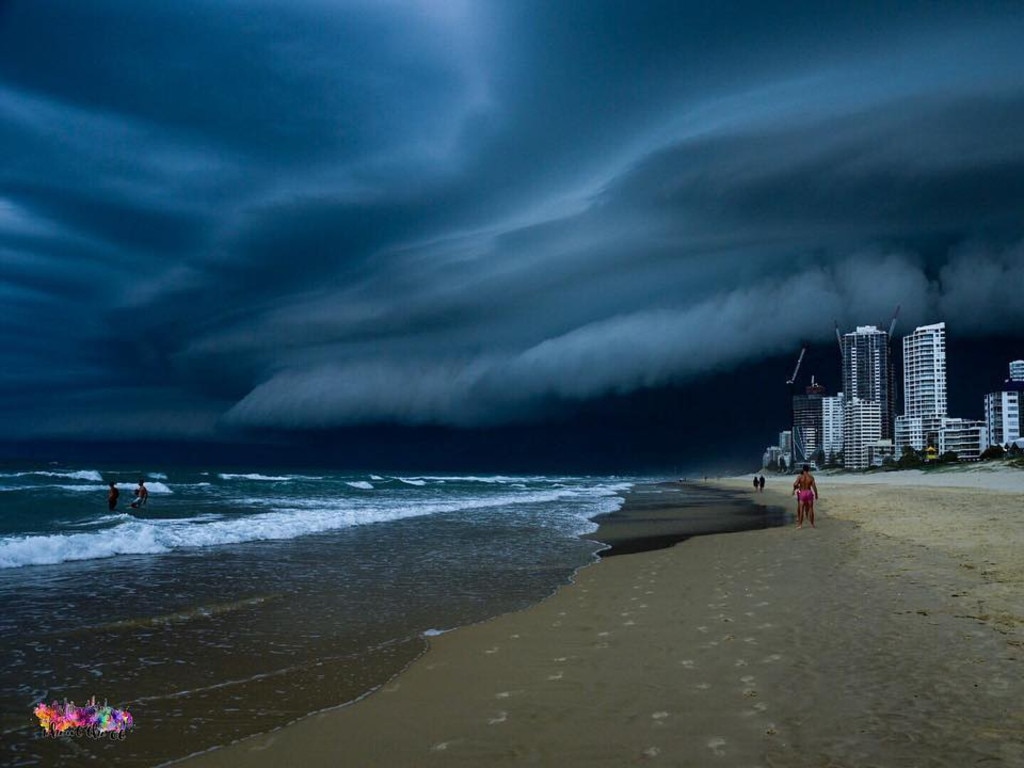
(81, 474)
(288, 518)
(361, 484)
(411, 481)
(152, 487)
(253, 476)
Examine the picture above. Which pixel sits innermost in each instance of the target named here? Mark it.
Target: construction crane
(796, 370)
(892, 325)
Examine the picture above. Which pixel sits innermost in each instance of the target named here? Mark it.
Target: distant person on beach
(113, 496)
(760, 484)
(755, 484)
(141, 495)
(806, 491)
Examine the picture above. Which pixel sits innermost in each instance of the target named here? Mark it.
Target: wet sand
(858, 643)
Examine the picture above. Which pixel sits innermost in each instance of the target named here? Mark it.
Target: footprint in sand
(503, 695)
(771, 659)
(687, 664)
(748, 679)
(650, 752)
(556, 676)
(491, 650)
(501, 717)
(716, 747)
(659, 718)
(629, 623)
(740, 663)
(603, 634)
(625, 613)
(703, 686)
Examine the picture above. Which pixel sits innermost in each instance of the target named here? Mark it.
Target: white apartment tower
(924, 371)
(832, 426)
(1003, 409)
(924, 389)
(862, 431)
(1002, 417)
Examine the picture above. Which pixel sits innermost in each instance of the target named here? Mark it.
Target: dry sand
(891, 635)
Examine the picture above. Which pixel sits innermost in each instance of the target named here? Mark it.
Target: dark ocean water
(239, 601)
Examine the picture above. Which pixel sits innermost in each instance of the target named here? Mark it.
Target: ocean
(237, 601)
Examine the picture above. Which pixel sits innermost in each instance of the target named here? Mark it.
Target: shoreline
(850, 643)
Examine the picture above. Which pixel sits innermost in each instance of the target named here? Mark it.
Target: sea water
(237, 601)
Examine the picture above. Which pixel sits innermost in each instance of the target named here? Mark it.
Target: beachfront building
(924, 389)
(918, 433)
(832, 427)
(867, 380)
(967, 438)
(924, 371)
(779, 456)
(1002, 409)
(862, 431)
(808, 430)
(1002, 417)
(786, 443)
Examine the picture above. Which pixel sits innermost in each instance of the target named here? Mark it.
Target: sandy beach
(890, 635)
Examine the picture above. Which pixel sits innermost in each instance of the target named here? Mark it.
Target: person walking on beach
(806, 491)
(112, 496)
(141, 495)
(755, 483)
(760, 483)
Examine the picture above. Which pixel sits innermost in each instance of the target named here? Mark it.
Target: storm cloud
(224, 216)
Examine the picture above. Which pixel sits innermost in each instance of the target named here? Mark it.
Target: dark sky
(522, 234)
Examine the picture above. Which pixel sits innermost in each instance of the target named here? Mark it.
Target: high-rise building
(867, 371)
(807, 426)
(1002, 417)
(1017, 370)
(868, 391)
(832, 427)
(1002, 409)
(862, 431)
(924, 371)
(924, 389)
